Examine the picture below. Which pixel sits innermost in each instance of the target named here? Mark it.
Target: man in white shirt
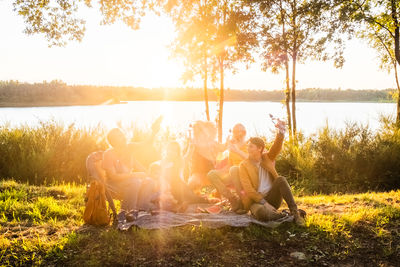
(264, 189)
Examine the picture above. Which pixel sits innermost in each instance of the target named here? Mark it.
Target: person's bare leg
(145, 194)
(130, 191)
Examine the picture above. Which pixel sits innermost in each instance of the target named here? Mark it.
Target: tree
(382, 30)
(234, 41)
(295, 31)
(384, 46)
(215, 36)
(194, 23)
(58, 20)
(276, 50)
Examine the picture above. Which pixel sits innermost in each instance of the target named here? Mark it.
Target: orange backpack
(96, 212)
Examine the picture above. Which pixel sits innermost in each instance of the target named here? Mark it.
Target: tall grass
(47, 152)
(354, 159)
(52, 152)
(348, 160)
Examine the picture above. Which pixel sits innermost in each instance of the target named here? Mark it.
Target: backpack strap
(94, 175)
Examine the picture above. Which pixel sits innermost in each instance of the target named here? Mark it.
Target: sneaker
(236, 204)
(298, 219)
(303, 213)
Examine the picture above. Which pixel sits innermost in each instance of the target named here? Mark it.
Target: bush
(46, 153)
(52, 152)
(349, 160)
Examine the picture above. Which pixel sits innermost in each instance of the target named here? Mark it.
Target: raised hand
(278, 123)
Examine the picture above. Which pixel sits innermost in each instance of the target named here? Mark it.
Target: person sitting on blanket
(229, 175)
(125, 174)
(168, 172)
(263, 187)
(203, 151)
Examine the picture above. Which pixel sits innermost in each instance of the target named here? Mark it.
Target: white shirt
(265, 180)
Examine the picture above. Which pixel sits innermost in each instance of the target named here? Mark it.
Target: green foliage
(47, 152)
(297, 30)
(52, 152)
(62, 21)
(213, 36)
(380, 27)
(196, 30)
(54, 19)
(350, 160)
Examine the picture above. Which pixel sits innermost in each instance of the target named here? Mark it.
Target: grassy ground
(43, 226)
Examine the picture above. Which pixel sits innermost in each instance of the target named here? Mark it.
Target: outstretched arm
(277, 145)
(234, 148)
(155, 128)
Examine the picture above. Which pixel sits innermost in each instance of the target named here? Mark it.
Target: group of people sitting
(247, 177)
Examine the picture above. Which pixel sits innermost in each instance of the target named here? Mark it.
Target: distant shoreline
(43, 104)
(57, 93)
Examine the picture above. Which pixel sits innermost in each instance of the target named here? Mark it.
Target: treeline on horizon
(14, 93)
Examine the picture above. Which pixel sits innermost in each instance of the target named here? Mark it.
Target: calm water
(179, 115)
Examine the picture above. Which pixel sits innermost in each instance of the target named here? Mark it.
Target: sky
(119, 56)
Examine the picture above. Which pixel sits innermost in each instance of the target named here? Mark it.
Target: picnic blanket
(167, 219)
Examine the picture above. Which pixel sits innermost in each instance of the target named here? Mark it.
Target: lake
(178, 115)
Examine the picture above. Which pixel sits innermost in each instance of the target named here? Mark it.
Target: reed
(354, 159)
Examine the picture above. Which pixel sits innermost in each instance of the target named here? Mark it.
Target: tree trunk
(396, 31)
(287, 91)
(287, 99)
(294, 125)
(398, 108)
(221, 100)
(221, 72)
(398, 95)
(294, 58)
(205, 90)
